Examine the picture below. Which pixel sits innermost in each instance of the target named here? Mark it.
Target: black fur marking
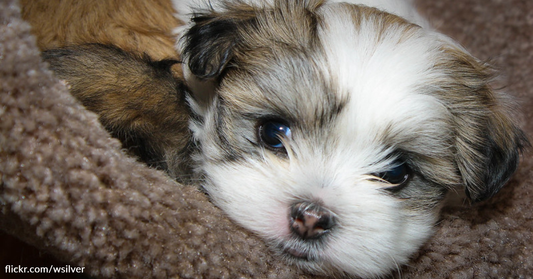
(210, 45)
(500, 165)
(232, 153)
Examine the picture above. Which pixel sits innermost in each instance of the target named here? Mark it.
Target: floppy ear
(487, 163)
(209, 45)
(488, 143)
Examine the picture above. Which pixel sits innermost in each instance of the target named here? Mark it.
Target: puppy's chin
(336, 130)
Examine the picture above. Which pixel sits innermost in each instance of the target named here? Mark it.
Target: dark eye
(272, 131)
(398, 175)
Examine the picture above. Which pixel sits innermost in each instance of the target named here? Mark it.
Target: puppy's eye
(272, 131)
(398, 175)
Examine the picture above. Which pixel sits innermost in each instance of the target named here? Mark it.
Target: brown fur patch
(137, 100)
(382, 20)
(135, 25)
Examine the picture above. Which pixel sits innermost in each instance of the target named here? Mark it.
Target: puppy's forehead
(338, 57)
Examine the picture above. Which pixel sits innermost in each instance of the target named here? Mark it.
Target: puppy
(336, 130)
(138, 101)
(108, 52)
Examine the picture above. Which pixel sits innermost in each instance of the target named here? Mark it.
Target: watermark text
(18, 269)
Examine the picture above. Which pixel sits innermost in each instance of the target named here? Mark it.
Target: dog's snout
(309, 220)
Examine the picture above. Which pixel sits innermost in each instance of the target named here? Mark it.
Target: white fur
(376, 234)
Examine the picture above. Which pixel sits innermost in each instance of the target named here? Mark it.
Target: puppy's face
(336, 130)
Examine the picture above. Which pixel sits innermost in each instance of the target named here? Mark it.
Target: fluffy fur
(137, 99)
(362, 91)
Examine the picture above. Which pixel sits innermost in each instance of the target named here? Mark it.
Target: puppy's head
(335, 131)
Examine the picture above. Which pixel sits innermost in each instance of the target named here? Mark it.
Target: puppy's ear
(488, 158)
(488, 143)
(210, 43)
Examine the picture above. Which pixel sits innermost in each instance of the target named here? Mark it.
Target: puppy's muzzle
(309, 220)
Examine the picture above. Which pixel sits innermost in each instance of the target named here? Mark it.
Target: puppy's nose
(309, 220)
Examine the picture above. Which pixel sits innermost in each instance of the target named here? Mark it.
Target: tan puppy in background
(119, 59)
